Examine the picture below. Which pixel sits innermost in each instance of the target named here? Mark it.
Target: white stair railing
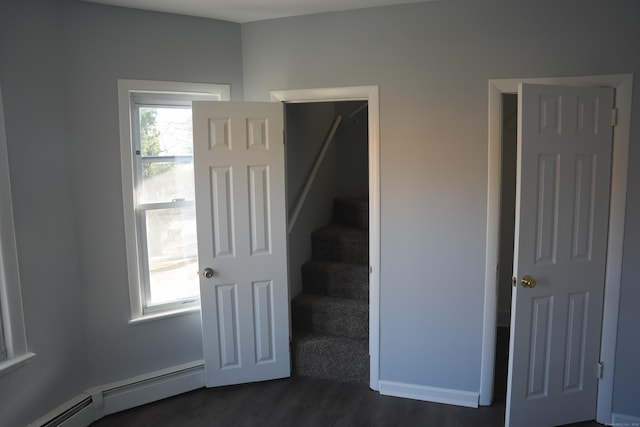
(313, 173)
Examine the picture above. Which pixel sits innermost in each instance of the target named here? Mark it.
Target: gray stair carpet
(339, 242)
(335, 358)
(331, 316)
(346, 317)
(339, 279)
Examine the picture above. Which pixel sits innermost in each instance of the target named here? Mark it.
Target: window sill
(9, 365)
(150, 317)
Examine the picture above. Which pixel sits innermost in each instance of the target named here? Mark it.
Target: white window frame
(158, 93)
(13, 348)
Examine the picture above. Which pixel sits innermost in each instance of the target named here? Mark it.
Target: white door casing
(372, 96)
(562, 208)
(241, 219)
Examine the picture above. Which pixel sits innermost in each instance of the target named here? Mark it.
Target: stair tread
(335, 265)
(341, 232)
(304, 336)
(317, 300)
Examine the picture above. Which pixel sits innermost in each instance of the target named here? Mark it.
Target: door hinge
(599, 369)
(614, 117)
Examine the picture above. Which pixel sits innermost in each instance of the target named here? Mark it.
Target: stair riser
(341, 280)
(332, 320)
(341, 251)
(345, 361)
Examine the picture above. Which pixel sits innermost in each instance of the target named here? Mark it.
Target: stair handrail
(314, 171)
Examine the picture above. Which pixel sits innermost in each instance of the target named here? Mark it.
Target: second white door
(562, 209)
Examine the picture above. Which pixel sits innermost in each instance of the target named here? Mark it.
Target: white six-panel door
(241, 218)
(562, 207)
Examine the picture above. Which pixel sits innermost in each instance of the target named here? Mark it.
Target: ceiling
(242, 11)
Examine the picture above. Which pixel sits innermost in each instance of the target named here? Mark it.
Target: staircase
(331, 316)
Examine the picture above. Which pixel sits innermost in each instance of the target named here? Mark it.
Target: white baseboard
(430, 394)
(100, 401)
(624, 420)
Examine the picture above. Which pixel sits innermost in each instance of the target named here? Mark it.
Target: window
(159, 196)
(13, 340)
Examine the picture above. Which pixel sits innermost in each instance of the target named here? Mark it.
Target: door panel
(239, 167)
(562, 208)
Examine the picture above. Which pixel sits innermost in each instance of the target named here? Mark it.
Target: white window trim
(127, 88)
(13, 328)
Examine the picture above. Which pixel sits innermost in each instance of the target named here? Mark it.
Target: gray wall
(59, 66)
(432, 61)
(307, 127)
(44, 213)
(104, 44)
(58, 70)
(352, 145)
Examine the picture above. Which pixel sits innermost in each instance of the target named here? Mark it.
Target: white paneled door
(241, 218)
(562, 208)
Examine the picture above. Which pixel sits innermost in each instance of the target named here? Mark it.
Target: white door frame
(623, 86)
(370, 94)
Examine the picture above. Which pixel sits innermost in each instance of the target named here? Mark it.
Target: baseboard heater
(100, 401)
(116, 388)
(69, 413)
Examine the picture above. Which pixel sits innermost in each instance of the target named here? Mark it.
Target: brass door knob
(528, 281)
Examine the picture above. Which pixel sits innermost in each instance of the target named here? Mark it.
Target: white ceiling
(242, 11)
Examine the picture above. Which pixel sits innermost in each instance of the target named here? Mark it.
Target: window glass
(172, 254)
(156, 143)
(166, 151)
(167, 222)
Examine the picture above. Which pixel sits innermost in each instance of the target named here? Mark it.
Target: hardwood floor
(302, 402)
(299, 401)
(308, 402)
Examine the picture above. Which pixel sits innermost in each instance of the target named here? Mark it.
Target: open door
(241, 219)
(562, 209)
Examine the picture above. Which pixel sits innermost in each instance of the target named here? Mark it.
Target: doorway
(506, 232)
(622, 84)
(327, 197)
(370, 95)
(341, 172)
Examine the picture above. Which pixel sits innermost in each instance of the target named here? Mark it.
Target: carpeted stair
(331, 316)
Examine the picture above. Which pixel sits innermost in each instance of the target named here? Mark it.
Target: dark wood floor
(307, 402)
(299, 401)
(302, 402)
